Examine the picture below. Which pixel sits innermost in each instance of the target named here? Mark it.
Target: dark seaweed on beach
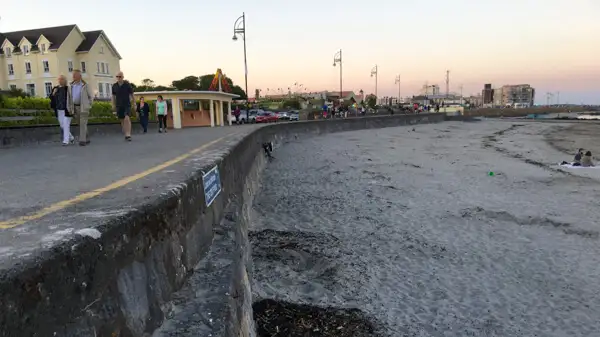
(274, 318)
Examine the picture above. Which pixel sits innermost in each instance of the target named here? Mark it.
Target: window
(46, 66)
(48, 87)
(13, 87)
(102, 68)
(83, 67)
(98, 66)
(27, 67)
(26, 49)
(43, 48)
(70, 65)
(8, 52)
(11, 70)
(107, 89)
(101, 89)
(107, 72)
(102, 50)
(30, 88)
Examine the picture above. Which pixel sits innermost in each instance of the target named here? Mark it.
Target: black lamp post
(239, 28)
(337, 59)
(374, 73)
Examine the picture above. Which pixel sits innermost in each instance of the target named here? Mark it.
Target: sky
(550, 44)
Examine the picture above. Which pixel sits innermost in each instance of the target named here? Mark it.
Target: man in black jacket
(58, 102)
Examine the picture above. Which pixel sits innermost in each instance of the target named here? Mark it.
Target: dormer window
(43, 48)
(25, 49)
(8, 52)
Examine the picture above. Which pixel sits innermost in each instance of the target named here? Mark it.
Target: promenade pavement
(48, 192)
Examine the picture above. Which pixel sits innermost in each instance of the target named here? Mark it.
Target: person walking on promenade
(143, 112)
(79, 103)
(58, 103)
(123, 103)
(161, 114)
(237, 112)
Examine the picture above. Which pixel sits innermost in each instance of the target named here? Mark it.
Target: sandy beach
(452, 229)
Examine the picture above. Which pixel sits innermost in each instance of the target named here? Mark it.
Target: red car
(266, 117)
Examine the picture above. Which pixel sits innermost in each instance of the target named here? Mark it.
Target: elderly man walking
(123, 103)
(79, 102)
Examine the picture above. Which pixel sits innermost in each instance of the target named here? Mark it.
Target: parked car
(266, 117)
(248, 117)
(283, 115)
(294, 115)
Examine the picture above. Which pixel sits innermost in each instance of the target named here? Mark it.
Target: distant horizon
(479, 42)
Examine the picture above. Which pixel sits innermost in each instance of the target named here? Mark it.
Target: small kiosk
(195, 108)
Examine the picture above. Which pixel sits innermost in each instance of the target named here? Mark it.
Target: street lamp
(398, 83)
(239, 28)
(337, 59)
(374, 73)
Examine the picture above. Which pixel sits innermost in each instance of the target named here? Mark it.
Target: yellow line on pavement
(11, 223)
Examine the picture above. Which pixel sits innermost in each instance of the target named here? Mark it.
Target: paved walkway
(38, 182)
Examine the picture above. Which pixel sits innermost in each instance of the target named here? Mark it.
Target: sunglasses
(119, 76)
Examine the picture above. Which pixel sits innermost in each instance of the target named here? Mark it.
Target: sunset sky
(551, 44)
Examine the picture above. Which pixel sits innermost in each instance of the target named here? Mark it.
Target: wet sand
(408, 226)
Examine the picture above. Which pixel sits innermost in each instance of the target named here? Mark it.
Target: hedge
(39, 109)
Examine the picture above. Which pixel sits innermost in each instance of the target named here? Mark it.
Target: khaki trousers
(82, 120)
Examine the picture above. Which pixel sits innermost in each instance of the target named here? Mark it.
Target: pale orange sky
(550, 44)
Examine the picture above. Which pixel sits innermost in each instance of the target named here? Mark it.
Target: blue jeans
(144, 122)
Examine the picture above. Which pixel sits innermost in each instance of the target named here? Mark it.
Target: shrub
(101, 112)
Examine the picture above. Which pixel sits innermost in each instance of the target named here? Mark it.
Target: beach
(452, 229)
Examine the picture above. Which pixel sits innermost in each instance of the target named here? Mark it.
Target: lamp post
(398, 83)
(374, 73)
(239, 28)
(337, 59)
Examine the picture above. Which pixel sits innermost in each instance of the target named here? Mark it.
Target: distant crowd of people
(74, 100)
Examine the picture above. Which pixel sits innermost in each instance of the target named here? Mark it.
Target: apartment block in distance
(33, 59)
(488, 94)
(519, 95)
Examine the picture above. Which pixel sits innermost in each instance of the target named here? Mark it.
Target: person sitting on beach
(586, 161)
(577, 159)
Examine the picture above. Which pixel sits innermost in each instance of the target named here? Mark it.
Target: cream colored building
(33, 59)
(193, 108)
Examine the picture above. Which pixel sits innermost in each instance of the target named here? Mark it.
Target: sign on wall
(212, 185)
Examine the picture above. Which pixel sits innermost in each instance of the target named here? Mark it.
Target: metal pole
(374, 72)
(398, 82)
(245, 64)
(376, 82)
(341, 91)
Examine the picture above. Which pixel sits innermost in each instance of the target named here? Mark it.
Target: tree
(371, 100)
(293, 103)
(236, 89)
(187, 83)
(148, 83)
(206, 80)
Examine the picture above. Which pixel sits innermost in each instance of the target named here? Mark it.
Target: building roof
(56, 36)
(90, 39)
(185, 93)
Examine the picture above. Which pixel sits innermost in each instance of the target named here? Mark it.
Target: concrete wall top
(120, 283)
